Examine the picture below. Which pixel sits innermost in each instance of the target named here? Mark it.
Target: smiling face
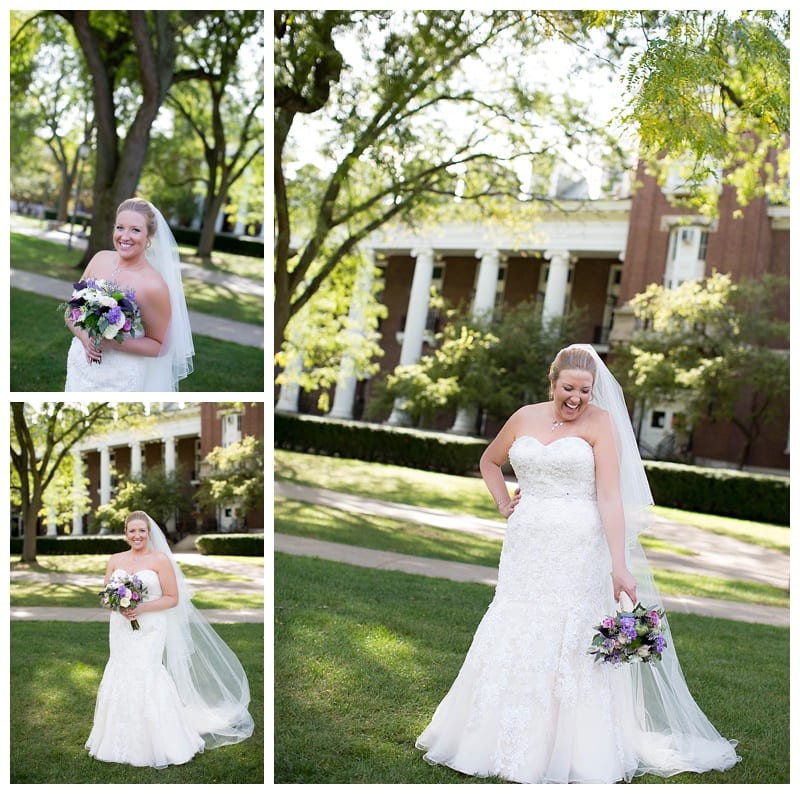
(572, 391)
(137, 534)
(130, 235)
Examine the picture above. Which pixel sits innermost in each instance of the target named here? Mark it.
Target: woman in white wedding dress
(529, 704)
(145, 259)
(172, 688)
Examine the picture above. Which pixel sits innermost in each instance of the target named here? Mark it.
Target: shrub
(234, 545)
(723, 492)
(417, 449)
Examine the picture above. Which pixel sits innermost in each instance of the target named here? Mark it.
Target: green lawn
(468, 495)
(400, 537)
(363, 657)
(55, 669)
(51, 259)
(39, 344)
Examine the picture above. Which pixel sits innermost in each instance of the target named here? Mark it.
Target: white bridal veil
(678, 735)
(163, 372)
(209, 677)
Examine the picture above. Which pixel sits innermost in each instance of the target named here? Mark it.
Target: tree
(161, 494)
(228, 120)
(403, 128)
(42, 435)
(234, 475)
(710, 92)
(496, 365)
(377, 121)
(716, 348)
(132, 48)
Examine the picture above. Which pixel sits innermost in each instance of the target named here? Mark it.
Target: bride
(144, 260)
(172, 688)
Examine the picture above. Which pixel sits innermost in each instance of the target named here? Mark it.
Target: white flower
(124, 602)
(644, 651)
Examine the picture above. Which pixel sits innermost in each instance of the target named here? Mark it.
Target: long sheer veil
(209, 677)
(163, 372)
(680, 736)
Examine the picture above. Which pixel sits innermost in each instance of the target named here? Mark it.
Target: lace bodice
(561, 469)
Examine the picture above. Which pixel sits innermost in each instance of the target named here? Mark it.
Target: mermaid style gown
(529, 704)
(139, 718)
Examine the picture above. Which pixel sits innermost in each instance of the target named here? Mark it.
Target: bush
(417, 449)
(723, 492)
(76, 544)
(233, 545)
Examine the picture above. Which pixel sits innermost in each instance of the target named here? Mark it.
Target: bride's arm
(609, 503)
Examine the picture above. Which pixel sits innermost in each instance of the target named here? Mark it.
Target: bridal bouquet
(104, 310)
(629, 636)
(122, 592)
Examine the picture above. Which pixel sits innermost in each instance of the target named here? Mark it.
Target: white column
(486, 288)
(105, 476)
(290, 389)
(52, 526)
(348, 377)
(556, 290)
(77, 490)
(136, 458)
(169, 454)
(482, 307)
(169, 467)
(416, 315)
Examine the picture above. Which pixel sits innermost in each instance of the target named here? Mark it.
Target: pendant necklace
(556, 425)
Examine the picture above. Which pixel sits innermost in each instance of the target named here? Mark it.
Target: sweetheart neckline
(125, 570)
(550, 443)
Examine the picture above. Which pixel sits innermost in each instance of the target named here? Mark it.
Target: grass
(468, 495)
(55, 670)
(39, 357)
(363, 657)
(47, 258)
(401, 537)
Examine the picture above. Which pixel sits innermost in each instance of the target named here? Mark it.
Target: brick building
(177, 436)
(593, 254)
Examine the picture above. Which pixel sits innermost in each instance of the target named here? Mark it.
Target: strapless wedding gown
(139, 718)
(118, 371)
(530, 705)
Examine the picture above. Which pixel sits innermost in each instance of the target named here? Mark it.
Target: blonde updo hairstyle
(143, 208)
(572, 358)
(138, 515)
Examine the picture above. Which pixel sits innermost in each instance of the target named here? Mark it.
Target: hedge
(724, 492)
(235, 545)
(243, 545)
(74, 544)
(417, 449)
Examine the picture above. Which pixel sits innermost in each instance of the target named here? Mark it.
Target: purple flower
(660, 643)
(114, 315)
(76, 313)
(653, 617)
(607, 623)
(628, 626)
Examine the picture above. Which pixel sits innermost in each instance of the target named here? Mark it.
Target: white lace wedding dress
(118, 371)
(139, 718)
(529, 704)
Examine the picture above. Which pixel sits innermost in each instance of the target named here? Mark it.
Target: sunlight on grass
(675, 583)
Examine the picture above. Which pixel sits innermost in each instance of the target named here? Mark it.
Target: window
(658, 419)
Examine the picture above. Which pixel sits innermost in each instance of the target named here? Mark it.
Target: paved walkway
(202, 324)
(252, 582)
(713, 555)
